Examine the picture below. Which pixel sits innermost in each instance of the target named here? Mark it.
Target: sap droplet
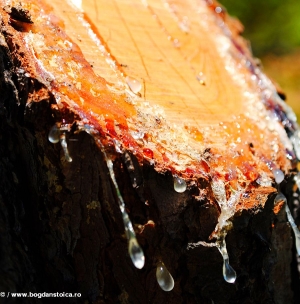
(278, 175)
(179, 184)
(54, 134)
(164, 278)
(148, 153)
(134, 85)
(229, 273)
(201, 78)
(297, 180)
(64, 145)
(294, 227)
(218, 9)
(137, 135)
(295, 139)
(136, 253)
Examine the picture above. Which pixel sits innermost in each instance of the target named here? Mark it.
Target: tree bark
(61, 225)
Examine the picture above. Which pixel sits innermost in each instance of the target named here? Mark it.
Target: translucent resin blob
(136, 253)
(64, 146)
(134, 85)
(54, 135)
(164, 278)
(229, 273)
(278, 175)
(179, 184)
(281, 198)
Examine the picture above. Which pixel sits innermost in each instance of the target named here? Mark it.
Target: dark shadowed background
(273, 28)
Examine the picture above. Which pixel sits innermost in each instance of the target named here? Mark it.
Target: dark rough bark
(61, 228)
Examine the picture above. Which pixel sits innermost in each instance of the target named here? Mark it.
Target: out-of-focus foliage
(272, 26)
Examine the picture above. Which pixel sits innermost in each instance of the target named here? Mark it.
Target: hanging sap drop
(294, 227)
(134, 85)
(281, 198)
(229, 273)
(134, 249)
(179, 184)
(297, 180)
(164, 278)
(54, 134)
(136, 253)
(278, 175)
(64, 145)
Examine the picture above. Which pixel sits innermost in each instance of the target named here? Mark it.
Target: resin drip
(64, 145)
(229, 273)
(134, 85)
(227, 206)
(281, 198)
(130, 167)
(179, 184)
(164, 278)
(201, 78)
(54, 134)
(134, 249)
(297, 180)
(294, 227)
(278, 175)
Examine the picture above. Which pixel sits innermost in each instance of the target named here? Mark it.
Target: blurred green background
(273, 28)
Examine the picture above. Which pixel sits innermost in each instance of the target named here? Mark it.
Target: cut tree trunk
(158, 104)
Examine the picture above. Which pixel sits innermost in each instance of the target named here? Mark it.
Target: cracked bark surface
(62, 231)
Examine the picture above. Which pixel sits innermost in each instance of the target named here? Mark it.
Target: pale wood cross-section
(165, 45)
(196, 74)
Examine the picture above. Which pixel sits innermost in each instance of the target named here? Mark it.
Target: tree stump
(145, 157)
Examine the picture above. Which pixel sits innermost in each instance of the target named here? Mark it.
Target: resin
(130, 167)
(278, 175)
(64, 145)
(179, 184)
(134, 85)
(297, 180)
(281, 198)
(201, 78)
(54, 134)
(294, 227)
(136, 253)
(229, 273)
(164, 278)
(134, 249)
